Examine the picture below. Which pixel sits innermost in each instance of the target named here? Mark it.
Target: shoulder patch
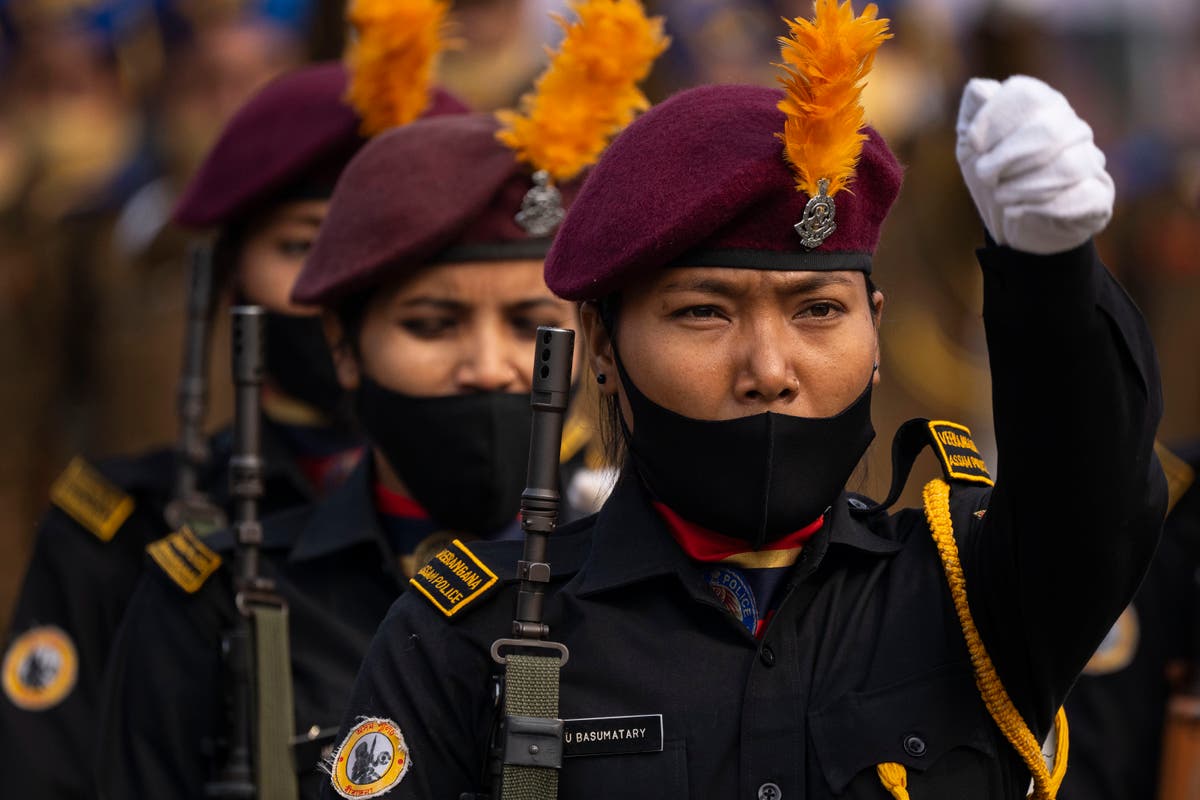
(371, 760)
(453, 579)
(186, 560)
(956, 450)
(40, 668)
(91, 499)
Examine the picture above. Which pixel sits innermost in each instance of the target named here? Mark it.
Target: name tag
(610, 736)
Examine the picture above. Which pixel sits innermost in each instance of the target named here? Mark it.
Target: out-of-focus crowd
(106, 107)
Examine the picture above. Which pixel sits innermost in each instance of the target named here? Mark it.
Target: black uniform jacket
(80, 584)
(864, 661)
(164, 711)
(1118, 706)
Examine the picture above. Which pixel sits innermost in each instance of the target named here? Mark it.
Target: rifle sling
(275, 772)
(531, 690)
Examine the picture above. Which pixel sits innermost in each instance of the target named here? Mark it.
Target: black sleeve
(425, 677)
(79, 585)
(162, 702)
(1079, 498)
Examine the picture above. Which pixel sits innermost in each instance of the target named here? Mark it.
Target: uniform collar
(346, 517)
(631, 543)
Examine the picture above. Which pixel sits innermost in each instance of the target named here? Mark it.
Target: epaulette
(90, 499)
(952, 445)
(458, 575)
(185, 558)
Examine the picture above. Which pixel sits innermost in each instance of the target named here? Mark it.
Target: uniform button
(914, 745)
(769, 791)
(768, 658)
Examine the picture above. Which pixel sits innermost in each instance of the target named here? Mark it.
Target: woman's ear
(599, 348)
(345, 358)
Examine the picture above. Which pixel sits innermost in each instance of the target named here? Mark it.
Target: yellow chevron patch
(453, 579)
(186, 560)
(957, 451)
(91, 499)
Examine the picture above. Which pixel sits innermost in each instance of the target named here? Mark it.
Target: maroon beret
(436, 190)
(297, 128)
(701, 180)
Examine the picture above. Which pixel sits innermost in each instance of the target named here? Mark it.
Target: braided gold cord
(995, 697)
(894, 778)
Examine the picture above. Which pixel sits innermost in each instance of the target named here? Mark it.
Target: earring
(875, 368)
(601, 378)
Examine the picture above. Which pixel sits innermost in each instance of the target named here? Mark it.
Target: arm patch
(186, 560)
(955, 449)
(453, 579)
(91, 499)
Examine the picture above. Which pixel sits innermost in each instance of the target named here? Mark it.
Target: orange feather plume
(589, 91)
(826, 62)
(392, 59)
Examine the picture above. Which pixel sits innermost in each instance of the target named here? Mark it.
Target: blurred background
(107, 106)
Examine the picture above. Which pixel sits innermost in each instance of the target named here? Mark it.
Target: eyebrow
(456, 306)
(804, 284)
(439, 303)
(303, 219)
(532, 303)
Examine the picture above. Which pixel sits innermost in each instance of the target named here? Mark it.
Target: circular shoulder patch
(40, 668)
(371, 760)
(1119, 646)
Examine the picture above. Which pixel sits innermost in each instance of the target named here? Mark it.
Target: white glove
(1031, 166)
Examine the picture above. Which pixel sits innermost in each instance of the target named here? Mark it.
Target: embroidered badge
(91, 499)
(733, 590)
(371, 760)
(187, 560)
(40, 668)
(1119, 646)
(453, 579)
(957, 451)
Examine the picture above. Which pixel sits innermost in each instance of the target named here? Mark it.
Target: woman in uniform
(737, 625)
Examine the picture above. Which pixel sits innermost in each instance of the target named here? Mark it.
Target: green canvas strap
(531, 690)
(275, 771)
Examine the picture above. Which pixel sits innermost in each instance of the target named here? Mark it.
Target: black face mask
(756, 478)
(299, 363)
(463, 457)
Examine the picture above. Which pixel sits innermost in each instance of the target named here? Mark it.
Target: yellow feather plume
(589, 91)
(392, 59)
(826, 62)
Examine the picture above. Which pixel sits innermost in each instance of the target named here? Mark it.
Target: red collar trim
(395, 504)
(702, 544)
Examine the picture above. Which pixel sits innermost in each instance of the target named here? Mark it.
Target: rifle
(257, 756)
(189, 505)
(528, 743)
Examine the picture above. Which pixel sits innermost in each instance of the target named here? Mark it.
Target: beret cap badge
(542, 207)
(819, 220)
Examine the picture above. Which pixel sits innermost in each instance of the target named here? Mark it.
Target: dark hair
(352, 313)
